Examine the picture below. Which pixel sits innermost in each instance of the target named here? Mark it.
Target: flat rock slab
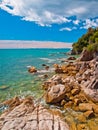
(28, 117)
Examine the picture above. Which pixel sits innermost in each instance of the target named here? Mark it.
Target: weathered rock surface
(26, 116)
(86, 56)
(55, 93)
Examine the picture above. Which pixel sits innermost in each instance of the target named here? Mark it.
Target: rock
(68, 104)
(46, 85)
(77, 101)
(12, 103)
(32, 69)
(45, 76)
(89, 114)
(63, 102)
(47, 67)
(95, 109)
(92, 125)
(29, 117)
(94, 85)
(86, 55)
(75, 91)
(82, 127)
(4, 87)
(71, 58)
(44, 65)
(55, 65)
(57, 79)
(85, 107)
(53, 81)
(55, 94)
(81, 118)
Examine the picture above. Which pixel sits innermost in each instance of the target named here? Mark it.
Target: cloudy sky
(47, 20)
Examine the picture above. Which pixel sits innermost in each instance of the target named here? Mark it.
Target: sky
(47, 20)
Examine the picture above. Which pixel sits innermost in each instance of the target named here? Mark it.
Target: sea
(15, 80)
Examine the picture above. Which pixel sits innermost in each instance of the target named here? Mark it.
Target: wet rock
(29, 117)
(55, 94)
(32, 70)
(12, 103)
(44, 65)
(4, 87)
(71, 58)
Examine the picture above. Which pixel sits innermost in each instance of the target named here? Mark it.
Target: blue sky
(41, 20)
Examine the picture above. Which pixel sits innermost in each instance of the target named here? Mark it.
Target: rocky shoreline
(74, 88)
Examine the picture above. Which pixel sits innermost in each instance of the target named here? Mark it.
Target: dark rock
(89, 114)
(71, 58)
(45, 76)
(44, 65)
(86, 55)
(47, 67)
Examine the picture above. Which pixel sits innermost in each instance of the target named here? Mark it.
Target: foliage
(89, 40)
(92, 47)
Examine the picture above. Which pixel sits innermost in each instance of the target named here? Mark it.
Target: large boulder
(55, 93)
(26, 116)
(86, 55)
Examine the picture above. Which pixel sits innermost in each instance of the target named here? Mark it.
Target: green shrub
(87, 40)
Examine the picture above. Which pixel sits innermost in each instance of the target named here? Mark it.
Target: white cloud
(76, 22)
(90, 23)
(67, 29)
(47, 12)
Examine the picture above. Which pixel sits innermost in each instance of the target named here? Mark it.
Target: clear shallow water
(14, 76)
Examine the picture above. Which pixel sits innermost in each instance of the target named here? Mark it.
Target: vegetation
(88, 41)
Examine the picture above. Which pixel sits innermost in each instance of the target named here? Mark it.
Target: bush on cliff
(89, 40)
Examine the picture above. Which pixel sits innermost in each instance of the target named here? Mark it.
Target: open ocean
(14, 76)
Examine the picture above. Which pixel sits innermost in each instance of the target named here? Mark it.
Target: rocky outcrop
(80, 89)
(86, 55)
(27, 116)
(32, 70)
(69, 69)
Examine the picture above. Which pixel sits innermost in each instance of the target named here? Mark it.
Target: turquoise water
(14, 76)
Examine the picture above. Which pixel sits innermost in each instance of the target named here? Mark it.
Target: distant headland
(14, 44)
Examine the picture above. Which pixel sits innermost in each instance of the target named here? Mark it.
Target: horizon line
(12, 44)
